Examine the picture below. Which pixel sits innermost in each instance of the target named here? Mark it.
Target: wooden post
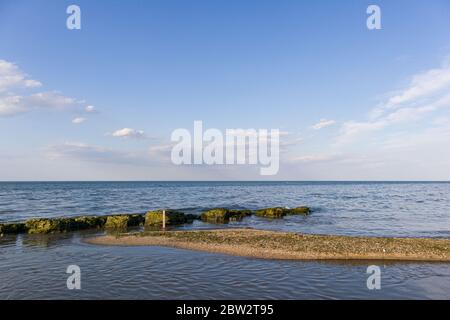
(164, 219)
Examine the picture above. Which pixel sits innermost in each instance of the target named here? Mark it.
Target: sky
(101, 103)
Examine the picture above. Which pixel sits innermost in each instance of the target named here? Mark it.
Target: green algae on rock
(12, 228)
(271, 212)
(279, 212)
(55, 225)
(222, 215)
(89, 222)
(151, 219)
(173, 217)
(44, 225)
(123, 221)
(238, 215)
(299, 211)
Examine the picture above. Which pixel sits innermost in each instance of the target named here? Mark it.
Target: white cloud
(286, 143)
(12, 77)
(161, 152)
(79, 120)
(422, 86)
(11, 105)
(50, 100)
(434, 136)
(353, 129)
(311, 158)
(323, 123)
(79, 151)
(129, 133)
(428, 92)
(15, 97)
(90, 109)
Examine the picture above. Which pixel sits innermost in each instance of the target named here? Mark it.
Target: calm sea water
(33, 267)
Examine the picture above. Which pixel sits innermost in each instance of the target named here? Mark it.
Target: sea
(35, 266)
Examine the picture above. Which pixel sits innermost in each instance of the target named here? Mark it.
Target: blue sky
(355, 104)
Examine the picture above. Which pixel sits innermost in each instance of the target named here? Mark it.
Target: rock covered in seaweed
(45, 225)
(279, 212)
(173, 217)
(123, 221)
(219, 215)
(12, 228)
(151, 218)
(89, 222)
(299, 211)
(222, 215)
(271, 212)
(238, 215)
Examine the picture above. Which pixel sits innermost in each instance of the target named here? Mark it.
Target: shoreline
(275, 245)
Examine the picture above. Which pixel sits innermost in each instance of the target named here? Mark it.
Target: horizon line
(162, 181)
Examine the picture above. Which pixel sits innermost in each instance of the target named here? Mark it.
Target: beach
(287, 245)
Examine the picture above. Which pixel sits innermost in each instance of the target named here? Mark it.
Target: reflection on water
(34, 267)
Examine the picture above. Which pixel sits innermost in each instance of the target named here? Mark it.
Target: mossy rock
(173, 217)
(89, 222)
(237, 213)
(135, 220)
(299, 211)
(44, 225)
(218, 215)
(279, 212)
(12, 228)
(274, 213)
(123, 221)
(64, 224)
(222, 215)
(80, 223)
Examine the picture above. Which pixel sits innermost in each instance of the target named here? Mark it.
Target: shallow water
(34, 267)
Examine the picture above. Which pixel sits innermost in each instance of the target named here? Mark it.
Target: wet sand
(287, 246)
